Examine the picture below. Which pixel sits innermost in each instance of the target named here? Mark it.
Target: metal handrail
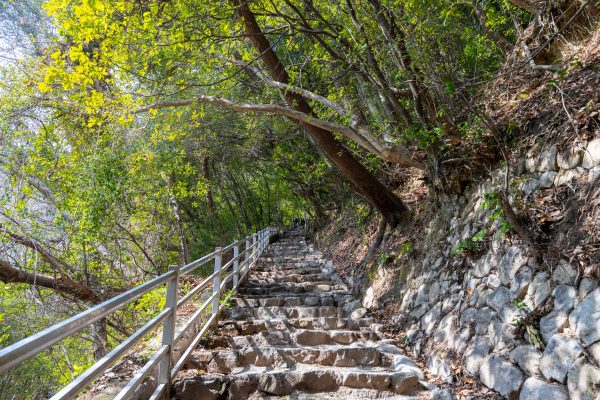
(241, 262)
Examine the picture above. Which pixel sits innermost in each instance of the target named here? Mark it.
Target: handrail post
(236, 265)
(254, 249)
(258, 244)
(247, 257)
(267, 237)
(217, 286)
(164, 375)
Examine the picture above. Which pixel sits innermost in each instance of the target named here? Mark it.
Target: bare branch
(532, 63)
(56, 263)
(138, 245)
(257, 108)
(286, 87)
(388, 151)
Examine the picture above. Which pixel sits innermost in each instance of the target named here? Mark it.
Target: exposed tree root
(518, 226)
(377, 239)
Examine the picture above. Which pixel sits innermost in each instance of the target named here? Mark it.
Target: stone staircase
(295, 332)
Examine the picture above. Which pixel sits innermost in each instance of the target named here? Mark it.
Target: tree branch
(138, 245)
(287, 87)
(532, 63)
(388, 151)
(10, 274)
(56, 263)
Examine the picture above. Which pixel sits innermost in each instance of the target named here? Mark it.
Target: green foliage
(226, 298)
(473, 129)
(471, 244)
(520, 304)
(424, 138)
(492, 201)
(383, 258)
(407, 248)
(404, 340)
(362, 214)
(534, 338)
(4, 328)
(479, 236)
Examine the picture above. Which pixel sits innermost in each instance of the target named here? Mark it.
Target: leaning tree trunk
(367, 185)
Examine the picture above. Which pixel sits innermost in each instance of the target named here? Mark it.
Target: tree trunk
(180, 229)
(377, 239)
(99, 338)
(69, 288)
(316, 204)
(206, 175)
(367, 185)
(230, 206)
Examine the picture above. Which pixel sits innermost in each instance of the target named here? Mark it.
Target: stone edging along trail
(295, 332)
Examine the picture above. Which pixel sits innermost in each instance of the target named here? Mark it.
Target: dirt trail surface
(295, 332)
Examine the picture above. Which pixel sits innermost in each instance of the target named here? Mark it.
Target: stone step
(280, 270)
(283, 271)
(344, 393)
(291, 273)
(298, 337)
(290, 252)
(254, 326)
(260, 273)
(243, 383)
(296, 332)
(289, 255)
(281, 267)
(313, 279)
(287, 246)
(326, 299)
(270, 277)
(269, 313)
(290, 289)
(289, 263)
(226, 361)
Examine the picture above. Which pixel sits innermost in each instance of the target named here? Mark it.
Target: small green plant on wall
(492, 201)
(471, 244)
(226, 299)
(407, 248)
(384, 258)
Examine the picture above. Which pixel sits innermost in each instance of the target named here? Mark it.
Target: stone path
(295, 332)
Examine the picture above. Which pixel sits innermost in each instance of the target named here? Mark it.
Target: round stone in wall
(584, 381)
(536, 389)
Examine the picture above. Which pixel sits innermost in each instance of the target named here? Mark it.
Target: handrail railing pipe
(164, 357)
